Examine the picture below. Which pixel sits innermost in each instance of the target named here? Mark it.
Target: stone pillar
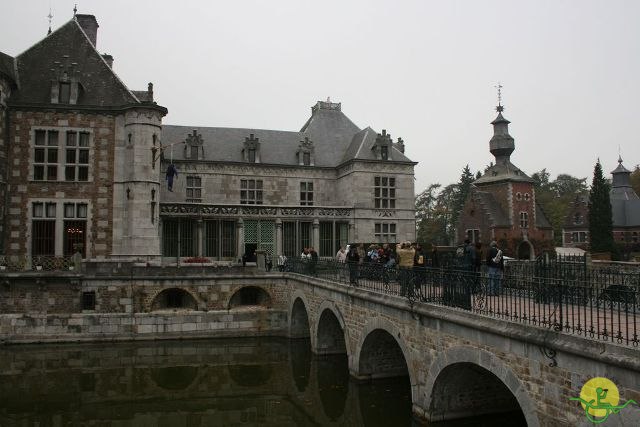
(315, 239)
(278, 237)
(351, 237)
(240, 234)
(199, 238)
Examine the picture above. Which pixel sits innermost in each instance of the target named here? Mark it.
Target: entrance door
(260, 235)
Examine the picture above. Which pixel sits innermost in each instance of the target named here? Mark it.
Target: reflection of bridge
(459, 361)
(211, 382)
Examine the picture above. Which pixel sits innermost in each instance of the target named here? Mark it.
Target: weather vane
(75, 9)
(49, 16)
(499, 108)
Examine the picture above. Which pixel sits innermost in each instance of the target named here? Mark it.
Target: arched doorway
(525, 251)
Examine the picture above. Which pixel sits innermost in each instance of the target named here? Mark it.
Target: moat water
(224, 382)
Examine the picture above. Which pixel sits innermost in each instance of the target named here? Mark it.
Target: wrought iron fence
(13, 263)
(593, 303)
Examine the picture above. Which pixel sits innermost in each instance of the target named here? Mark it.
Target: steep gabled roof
(490, 207)
(68, 47)
(7, 66)
(361, 147)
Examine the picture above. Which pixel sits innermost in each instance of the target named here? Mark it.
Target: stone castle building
(625, 210)
(84, 160)
(502, 205)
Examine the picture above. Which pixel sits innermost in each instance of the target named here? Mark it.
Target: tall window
(194, 189)
(75, 228)
(194, 152)
(252, 155)
(524, 220)
(77, 156)
(306, 158)
(251, 191)
(384, 192)
(306, 193)
(385, 232)
(43, 229)
(45, 156)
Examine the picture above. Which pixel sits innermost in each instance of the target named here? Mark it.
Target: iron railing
(588, 302)
(14, 263)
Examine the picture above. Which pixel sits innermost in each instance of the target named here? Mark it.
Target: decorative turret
(501, 144)
(621, 175)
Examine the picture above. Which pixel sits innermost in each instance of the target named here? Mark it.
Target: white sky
(423, 70)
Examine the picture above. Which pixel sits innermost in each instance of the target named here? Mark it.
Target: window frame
(524, 220)
(385, 232)
(384, 192)
(61, 154)
(251, 191)
(193, 190)
(306, 193)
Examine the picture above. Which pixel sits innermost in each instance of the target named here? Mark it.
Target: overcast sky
(424, 70)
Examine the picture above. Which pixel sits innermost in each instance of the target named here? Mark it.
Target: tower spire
(49, 16)
(499, 108)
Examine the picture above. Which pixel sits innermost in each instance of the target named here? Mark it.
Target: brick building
(625, 210)
(502, 205)
(83, 164)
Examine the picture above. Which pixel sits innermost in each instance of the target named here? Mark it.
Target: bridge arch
(392, 357)
(174, 298)
(299, 316)
(330, 333)
(249, 296)
(460, 377)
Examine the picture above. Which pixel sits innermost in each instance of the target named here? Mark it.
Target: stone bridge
(458, 363)
(461, 364)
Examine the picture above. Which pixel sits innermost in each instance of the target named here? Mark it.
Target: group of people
(409, 258)
(310, 256)
(472, 260)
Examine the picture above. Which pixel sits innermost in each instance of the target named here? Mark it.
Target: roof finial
(75, 9)
(328, 99)
(49, 16)
(499, 108)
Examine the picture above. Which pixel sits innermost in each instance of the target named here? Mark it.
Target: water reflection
(273, 382)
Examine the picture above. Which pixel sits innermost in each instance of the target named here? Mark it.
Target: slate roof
(336, 139)
(7, 66)
(541, 218)
(68, 45)
(506, 171)
(492, 208)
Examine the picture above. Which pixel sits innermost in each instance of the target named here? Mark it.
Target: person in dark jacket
(495, 264)
(353, 259)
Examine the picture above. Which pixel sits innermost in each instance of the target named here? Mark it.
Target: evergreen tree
(464, 187)
(600, 217)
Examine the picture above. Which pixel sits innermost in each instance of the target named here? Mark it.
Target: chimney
(108, 59)
(90, 26)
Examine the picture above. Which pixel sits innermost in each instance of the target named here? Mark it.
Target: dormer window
(306, 152)
(251, 150)
(194, 146)
(64, 92)
(577, 219)
(382, 147)
(384, 152)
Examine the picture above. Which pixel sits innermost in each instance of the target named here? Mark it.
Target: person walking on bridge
(405, 254)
